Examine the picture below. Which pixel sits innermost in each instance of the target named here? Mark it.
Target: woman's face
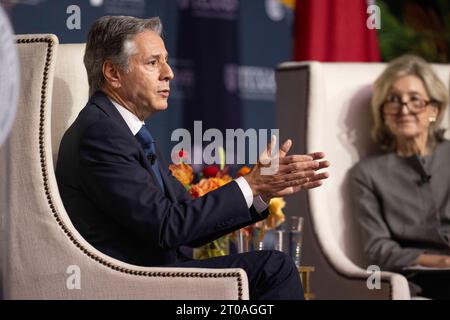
(407, 111)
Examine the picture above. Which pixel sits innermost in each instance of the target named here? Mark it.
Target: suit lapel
(165, 174)
(102, 101)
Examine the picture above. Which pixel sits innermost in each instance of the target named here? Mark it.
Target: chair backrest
(339, 121)
(37, 239)
(23, 161)
(70, 91)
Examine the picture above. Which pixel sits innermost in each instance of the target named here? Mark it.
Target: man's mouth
(165, 92)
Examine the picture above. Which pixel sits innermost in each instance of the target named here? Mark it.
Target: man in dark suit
(117, 189)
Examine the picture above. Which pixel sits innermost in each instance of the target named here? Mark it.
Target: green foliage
(415, 27)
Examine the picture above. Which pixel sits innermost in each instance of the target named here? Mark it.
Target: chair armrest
(398, 285)
(176, 284)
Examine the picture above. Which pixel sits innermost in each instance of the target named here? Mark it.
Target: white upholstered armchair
(40, 250)
(325, 107)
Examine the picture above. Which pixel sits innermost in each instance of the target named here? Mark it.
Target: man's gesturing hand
(295, 173)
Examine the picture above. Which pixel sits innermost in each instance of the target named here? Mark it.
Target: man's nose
(166, 72)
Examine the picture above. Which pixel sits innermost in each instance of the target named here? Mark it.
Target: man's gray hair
(110, 38)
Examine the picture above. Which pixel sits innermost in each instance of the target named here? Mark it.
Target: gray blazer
(403, 206)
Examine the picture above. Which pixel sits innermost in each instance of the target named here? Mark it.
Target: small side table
(305, 272)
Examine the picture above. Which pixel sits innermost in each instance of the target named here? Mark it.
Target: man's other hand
(295, 173)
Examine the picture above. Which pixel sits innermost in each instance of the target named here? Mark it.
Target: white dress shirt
(135, 125)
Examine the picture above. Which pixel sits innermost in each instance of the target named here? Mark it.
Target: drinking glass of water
(296, 239)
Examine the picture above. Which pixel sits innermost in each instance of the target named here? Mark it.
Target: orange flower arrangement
(209, 184)
(183, 172)
(212, 178)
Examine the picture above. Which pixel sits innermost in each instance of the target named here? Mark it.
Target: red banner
(334, 30)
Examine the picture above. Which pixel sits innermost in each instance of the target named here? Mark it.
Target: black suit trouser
(272, 275)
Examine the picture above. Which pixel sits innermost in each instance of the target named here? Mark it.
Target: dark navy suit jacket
(114, 201)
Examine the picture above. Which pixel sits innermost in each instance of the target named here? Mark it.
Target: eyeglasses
(415, 105)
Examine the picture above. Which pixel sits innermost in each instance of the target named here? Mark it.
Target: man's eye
(152, 62)
(415, 98)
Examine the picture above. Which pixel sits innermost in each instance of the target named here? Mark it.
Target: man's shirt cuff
(246, 190)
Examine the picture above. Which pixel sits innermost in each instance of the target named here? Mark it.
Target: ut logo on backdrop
(73, 21)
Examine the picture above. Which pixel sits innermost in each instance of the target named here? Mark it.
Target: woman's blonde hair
(437, 91)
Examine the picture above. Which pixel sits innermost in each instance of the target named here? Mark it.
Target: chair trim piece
(56, 214)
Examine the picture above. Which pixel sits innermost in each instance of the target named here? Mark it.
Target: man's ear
(111, 74)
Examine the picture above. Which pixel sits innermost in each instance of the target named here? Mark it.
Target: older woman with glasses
(402, 196)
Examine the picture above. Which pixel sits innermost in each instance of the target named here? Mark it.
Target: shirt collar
(131, 119)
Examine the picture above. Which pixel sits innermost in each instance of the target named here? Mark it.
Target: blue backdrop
(223, 53)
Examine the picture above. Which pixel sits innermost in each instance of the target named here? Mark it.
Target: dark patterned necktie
(148, 144)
